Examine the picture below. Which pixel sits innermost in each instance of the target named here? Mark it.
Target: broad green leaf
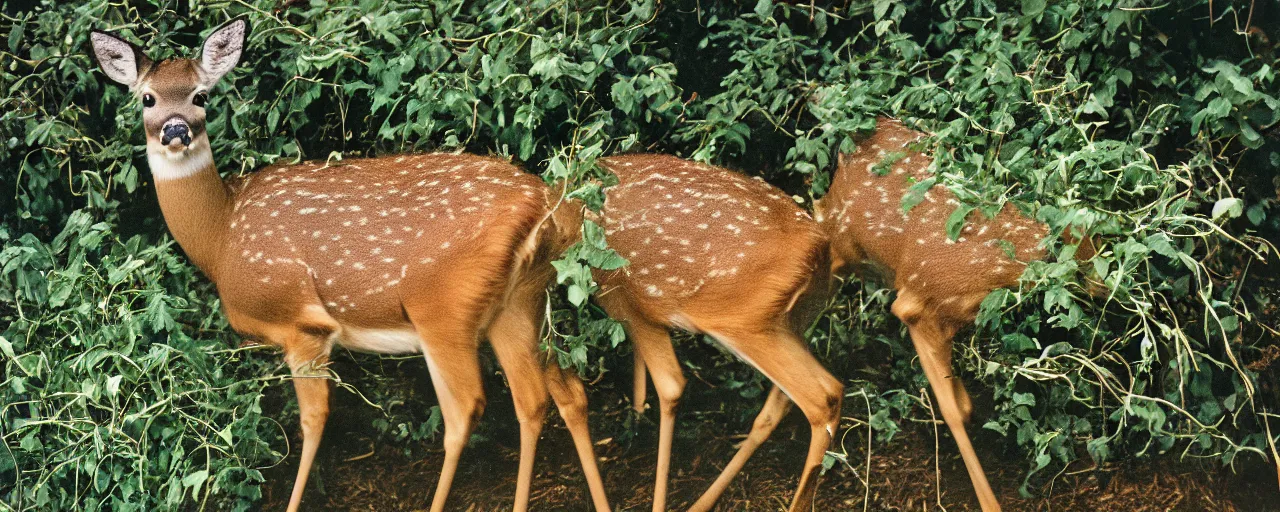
(955, 222)
(6, 348)
(577, 295)
(195, 481)
(764, 8)
(1230, 206)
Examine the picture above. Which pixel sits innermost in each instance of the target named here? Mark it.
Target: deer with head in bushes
(713, 252)
(940, 281)
(399, 254)
(716, 253)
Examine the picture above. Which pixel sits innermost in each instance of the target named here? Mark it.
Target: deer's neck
(196, 205)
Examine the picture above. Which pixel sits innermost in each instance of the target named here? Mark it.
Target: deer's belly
(381, 340)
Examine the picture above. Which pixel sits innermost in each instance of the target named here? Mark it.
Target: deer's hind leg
(571, 400)
(452, 352)
(776, 406)
(784, 358)
(932, 337)
(514, 336)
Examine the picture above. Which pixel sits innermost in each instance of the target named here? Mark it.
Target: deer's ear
(119, 59)
(222, 49)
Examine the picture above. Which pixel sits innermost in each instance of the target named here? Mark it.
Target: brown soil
(354, 472)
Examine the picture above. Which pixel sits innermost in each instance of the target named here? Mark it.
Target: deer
(940, 282)
(426, 253)
(715, 253)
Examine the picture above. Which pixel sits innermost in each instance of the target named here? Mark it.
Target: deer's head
(173, 93)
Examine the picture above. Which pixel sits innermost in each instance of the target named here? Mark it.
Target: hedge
(1151, 126)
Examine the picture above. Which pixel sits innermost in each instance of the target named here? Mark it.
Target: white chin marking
(170, 165)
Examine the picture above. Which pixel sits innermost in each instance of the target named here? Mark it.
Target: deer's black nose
(175, 130)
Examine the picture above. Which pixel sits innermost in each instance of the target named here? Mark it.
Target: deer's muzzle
(175, 129)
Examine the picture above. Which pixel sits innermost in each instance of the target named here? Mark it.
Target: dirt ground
(355, 472)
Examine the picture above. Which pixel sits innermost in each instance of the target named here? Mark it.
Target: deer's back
(704, 241)
(863, 215)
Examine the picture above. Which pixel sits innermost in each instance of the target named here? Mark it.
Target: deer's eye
(200, 99)
(148, 100)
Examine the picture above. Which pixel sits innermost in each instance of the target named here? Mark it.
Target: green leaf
(1099, 449)
(113, 384)
(1230, 323)
(764, 8)
(617, 334)
(195, 481)
(955, 222)
(1230, 206)
(1257, 213)
(577, 295)
(6, 348)
(624, 95)
(1018, 342)
(915, 194)
(1219, 107)
(226, 435)
(1161, 244)
(880, 8)
(1032, 8)
(1240, 84)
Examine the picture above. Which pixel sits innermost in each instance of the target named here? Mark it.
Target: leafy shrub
(1152, 127)
(1093, 118)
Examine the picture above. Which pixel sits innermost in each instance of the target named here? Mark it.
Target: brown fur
(415, 253)
(174, 82)
(312, 255)
(712, 217)
(862, 214)
(365, 237)
(714, 252)
(940, 282)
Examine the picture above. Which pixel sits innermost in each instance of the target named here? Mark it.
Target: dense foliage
(1149, 126)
